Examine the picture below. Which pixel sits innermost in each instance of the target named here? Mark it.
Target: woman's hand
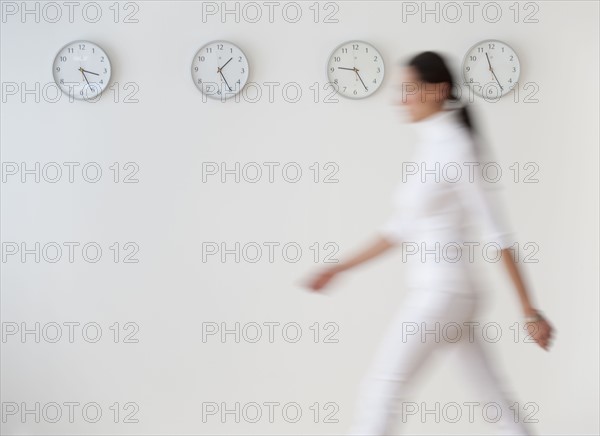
(541, 331)
(320, 280)
(377, 247)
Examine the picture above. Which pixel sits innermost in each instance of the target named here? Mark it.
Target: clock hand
(226, 62)
(501, 87)
(344, 68)
(492, 70)
(90, 72)
(488, 59)
(82, 72)
(221, 73)
(361, 80)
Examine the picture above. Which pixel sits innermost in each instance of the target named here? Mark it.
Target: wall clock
(220, 69)
(355, 69)
(491, 68)
(82, 69)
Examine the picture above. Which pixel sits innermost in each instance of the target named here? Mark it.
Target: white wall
(171, 292)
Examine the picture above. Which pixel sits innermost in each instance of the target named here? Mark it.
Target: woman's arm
(377, 247)
(515, 277)
(540, 330)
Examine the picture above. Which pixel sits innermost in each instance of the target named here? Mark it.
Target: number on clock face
(82, 70)
(491, 68)
(355, 69)
(220, 69)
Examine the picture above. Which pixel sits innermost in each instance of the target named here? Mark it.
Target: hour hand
(89, 72)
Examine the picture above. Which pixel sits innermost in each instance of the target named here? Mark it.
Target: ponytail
(466, 118)
(464, 112)
(481, 152)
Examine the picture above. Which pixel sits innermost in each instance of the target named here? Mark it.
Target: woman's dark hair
(432, 68)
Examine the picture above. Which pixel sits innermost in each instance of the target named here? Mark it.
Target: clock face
(82, 69)
(355, 69)
(491, 68)
(220, 69)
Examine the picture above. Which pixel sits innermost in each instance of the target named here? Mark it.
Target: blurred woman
(433, 217)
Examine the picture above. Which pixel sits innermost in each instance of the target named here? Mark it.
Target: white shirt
(439, 198)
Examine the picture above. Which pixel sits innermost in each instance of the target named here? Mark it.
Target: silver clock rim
(75, 42)
(350, 42)
(469, 51)
(214, 41)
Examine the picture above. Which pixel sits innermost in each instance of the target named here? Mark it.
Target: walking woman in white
(434, 210)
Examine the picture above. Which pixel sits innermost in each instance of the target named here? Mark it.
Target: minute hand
(492, 70)
(361, 80)
(84, 76)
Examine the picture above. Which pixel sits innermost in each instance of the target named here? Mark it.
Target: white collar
(438, 125)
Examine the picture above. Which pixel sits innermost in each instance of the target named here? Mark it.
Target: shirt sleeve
(394, 228)
(482, 201)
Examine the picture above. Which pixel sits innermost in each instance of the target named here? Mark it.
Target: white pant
(401, 355)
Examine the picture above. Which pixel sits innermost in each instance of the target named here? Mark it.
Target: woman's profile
(434, 212)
